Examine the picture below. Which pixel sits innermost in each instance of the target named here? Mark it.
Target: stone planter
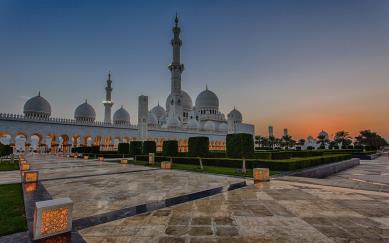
(261, 175)
(151, 158)
(167, 165)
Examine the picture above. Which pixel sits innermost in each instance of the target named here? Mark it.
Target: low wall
(327, 170)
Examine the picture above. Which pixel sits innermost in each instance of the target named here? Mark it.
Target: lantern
(30, 176)
(167, 165)
(86, 157)
(30, 187)
(52, 217)
(101, 158)
(261, 175)
(25, 166)
(123, 161)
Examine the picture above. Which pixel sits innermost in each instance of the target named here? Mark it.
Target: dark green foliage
(198, 146)
(5, 150)
(170, 148)
(273, 155)
(86, 150)
(240, 145)
(149, 147)
(279, 165)
(369, 139)
(310, 148)
(123, 148)
(135, 148)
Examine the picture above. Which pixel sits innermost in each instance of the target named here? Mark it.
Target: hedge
(5, 150)
(279, 165)
(135, 148)
(149, 147)
(86, 150)
(123, 148)
(240, 145)
(198, 146)
(170, 148)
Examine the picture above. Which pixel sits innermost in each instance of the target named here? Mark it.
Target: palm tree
(322, 140)
(343, 137)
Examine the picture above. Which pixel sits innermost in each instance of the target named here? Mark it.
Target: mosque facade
(179, 119)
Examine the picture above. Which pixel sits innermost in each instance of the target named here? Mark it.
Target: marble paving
(267, 212)
(371, 175)
(106, 186)
(9, 177)
(128, 203)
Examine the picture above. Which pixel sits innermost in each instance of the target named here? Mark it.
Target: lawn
(207, 169)
(12, 214)
(7, 165)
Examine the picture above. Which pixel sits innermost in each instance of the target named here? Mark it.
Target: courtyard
(130, 203)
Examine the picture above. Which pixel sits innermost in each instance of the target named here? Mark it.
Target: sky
(303, 65)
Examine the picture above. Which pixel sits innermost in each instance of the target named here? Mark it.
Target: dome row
(38, 106)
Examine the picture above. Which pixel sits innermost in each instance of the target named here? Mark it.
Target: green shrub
(198, 146)
(123, 148)
(170, 148)
(149, 147)
(240, 145)
(5, 150)
(135, 148)
(279, 165)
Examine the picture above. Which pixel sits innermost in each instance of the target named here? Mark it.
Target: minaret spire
(108, 102)
(176, 69)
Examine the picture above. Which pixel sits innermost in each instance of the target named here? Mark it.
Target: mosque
(179, 120)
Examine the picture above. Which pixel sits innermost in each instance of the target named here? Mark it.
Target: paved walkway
(128, 203)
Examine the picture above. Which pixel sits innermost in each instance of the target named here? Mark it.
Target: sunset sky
(302, 65)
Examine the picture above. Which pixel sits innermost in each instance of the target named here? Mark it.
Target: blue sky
(305, 65)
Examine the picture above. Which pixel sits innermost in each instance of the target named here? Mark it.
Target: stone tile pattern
(266, 212)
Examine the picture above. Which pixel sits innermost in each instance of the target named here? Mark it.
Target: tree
(343, 137)
(370, 140)
(198, 147)
(322, 140)
(240, 145)
(287, 142)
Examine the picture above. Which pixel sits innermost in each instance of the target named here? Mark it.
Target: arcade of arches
(63, 143)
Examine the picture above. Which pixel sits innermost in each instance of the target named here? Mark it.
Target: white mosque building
(179, 120)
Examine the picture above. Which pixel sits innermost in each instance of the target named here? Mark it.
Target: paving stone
(227, 231)
(224, 221)
(200, 231)
(171, 240)
(176, 230)
(201, 221)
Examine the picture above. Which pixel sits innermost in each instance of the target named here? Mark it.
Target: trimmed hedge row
(5, 150)
(240, 145)
(198, 146)
(280, 165)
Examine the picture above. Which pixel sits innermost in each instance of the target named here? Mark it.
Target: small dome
(159, 112)
(121, 116)
(207, 99)
(85, 112)
(152, 119)
(235, 115)
(193, 124)
(186, 101)
(222, 127)
(209, 126)
(37, 107)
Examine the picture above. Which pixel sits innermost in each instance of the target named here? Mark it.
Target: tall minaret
(108, 102)
(176, 68)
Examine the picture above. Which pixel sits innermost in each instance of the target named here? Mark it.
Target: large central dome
(85, 112)
(186, 101)
(37, 107)
(207, 100)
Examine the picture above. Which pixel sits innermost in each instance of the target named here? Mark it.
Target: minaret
(108, 102)
(176, 68)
